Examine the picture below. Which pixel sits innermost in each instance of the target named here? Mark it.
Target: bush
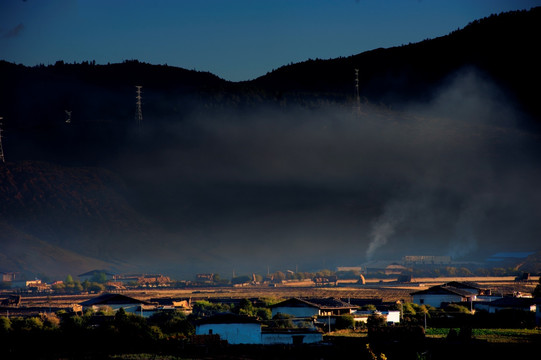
(345, 322)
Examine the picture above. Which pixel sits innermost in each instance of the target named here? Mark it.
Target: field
(375, 288)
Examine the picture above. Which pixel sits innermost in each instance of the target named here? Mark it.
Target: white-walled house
(506, 303)
(239, 329)
(437, 295)
(312, 307)
(235, 329)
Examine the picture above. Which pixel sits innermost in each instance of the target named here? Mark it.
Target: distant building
(94, 273)
(327, 280)
(349, 268)
(426, 260)
(37, 286)
(143, 280)
(386, 267)
(8, 276)
(205, 277)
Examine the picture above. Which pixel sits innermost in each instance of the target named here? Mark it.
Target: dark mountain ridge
(238, 171)
(501, 46)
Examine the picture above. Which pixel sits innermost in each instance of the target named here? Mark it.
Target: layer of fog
(320, 188)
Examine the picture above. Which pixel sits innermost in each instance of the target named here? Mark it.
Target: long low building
(114, 302)
(239, 329)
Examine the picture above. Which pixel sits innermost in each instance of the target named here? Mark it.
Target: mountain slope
(502, 46)
(67, 217)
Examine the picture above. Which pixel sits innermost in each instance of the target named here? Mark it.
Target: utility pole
(1, 149)
(138, 109)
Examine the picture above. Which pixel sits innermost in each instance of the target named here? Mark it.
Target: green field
(493, 335)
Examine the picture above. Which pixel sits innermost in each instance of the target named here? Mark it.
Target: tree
(245, 307)
(263, 313)
(537, 290)
(345, 322)
(282, 321)
(99, 277)
(5, 325)
(376, 320)
(457, 309)
(408, 308)
(279, 276)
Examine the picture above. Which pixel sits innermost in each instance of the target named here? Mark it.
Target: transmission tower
(1, 149)
(139, 111)
(68, 116)
(357, 96)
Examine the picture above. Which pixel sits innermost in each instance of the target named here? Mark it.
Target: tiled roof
(95, 272)
(228, 318)
(112, 299)
(441, 290)
(512, 302)
(320, 303)
(464, 285)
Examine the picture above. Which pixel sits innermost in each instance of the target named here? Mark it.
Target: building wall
(287, 338)
(129, 308)
(435, 300)
(296, 311)
(392, 316)
(233, 333)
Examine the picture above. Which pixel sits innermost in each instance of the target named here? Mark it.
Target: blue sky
(234, 39)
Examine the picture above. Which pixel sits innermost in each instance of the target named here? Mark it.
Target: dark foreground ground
(332, 348)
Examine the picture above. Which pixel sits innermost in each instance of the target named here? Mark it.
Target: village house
(142, 280)
(441, 294)
(8, 277)
(90, 275)
(167, 303)
(507, 303)
(239, 329)
(235, 329)
(115, 302)
(306, 308)
(37, 286)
